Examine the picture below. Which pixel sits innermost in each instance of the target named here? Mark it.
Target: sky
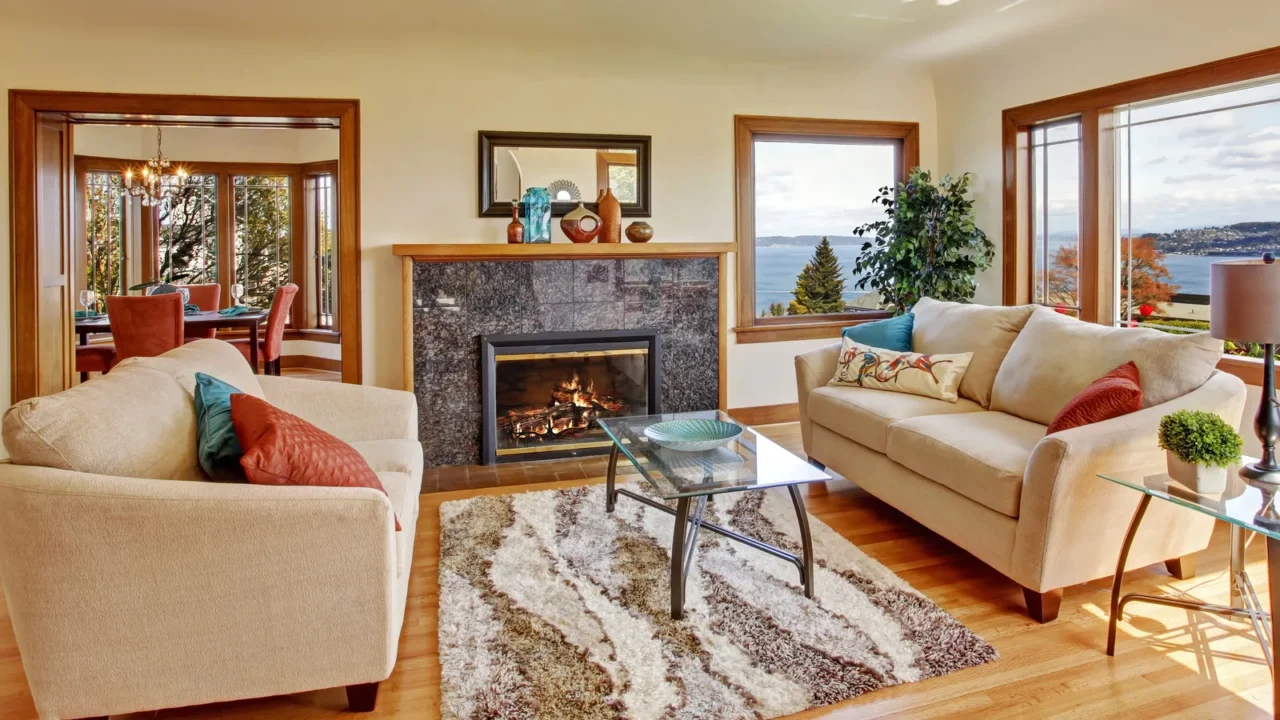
(819, 188)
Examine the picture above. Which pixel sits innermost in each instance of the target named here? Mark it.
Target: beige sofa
(133, 585)
(982, 473)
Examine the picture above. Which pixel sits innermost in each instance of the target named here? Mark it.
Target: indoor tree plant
(1199, 447)
(928, 244)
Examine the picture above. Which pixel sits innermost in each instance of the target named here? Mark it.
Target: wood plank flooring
(1170, 663)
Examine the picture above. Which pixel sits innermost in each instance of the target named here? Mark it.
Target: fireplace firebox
(542, 393)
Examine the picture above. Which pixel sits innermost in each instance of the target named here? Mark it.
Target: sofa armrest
(129, 595)
(813, 370)
(351, 412)
(1071, 523)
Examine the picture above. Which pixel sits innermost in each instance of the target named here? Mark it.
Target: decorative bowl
(693, 435)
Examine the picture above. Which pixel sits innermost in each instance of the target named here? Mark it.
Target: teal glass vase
(537, 215)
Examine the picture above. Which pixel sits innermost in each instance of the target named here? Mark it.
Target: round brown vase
(610, 218)
(580, 225)
(515, 228)
(640, 232)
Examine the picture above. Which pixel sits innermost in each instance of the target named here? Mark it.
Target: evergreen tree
(777, 309)
(820, 285)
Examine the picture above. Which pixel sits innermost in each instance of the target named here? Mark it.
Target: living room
(902, 572)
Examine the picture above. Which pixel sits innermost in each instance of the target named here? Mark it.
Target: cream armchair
(141, 593)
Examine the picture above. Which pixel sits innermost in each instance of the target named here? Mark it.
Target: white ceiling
(902, 30)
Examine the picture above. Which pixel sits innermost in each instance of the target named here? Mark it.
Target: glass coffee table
(691, 479)
(1246, 507)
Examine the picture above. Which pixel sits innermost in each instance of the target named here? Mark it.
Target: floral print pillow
(935, 376)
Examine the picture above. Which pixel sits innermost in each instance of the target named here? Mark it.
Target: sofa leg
(363, 697)
(1043, 607)
(816, 464)
(1183, 568)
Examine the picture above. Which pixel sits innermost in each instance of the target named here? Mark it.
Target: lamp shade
(1244, 301)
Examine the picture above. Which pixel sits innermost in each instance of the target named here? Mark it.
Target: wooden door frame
(26, 105)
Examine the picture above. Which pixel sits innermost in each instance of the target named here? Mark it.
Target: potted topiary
(1199, 447)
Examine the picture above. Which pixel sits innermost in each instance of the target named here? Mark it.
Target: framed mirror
(575, 168)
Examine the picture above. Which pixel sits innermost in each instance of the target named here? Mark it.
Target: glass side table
(1247, 508)
(691, 479)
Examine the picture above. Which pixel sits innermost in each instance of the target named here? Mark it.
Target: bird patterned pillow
(935, 376)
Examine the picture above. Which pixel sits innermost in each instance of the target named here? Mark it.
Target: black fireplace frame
(493, 346)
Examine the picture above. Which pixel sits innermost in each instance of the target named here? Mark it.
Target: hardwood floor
(1169, 663)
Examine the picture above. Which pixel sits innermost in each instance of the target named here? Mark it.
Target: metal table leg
(806, 540)
(1273, 583)
(1124, 557)
(682, 545)
(610, 495)
(1238, 537)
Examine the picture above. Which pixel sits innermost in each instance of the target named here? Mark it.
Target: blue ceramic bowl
(692, 435)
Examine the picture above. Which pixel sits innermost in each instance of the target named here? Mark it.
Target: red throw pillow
(1117, 393)
(283, 449)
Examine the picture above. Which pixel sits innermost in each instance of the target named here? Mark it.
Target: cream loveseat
(982, 473)
(134, 585)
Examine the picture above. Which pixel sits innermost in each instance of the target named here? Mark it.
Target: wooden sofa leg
(1043, 607)
(363, 697)
(1183, 568)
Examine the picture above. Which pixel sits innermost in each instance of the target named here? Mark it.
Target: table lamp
(1244, 307)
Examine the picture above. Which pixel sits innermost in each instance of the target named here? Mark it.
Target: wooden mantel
(455, 252)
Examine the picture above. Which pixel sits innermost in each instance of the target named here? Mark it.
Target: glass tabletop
(1243, 504)
(751, 462)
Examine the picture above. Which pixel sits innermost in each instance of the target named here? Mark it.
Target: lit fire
(571, 410)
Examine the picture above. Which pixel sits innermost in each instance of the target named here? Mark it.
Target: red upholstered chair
(272, 340)
(98, 357)
(145, 326)
(207, 297)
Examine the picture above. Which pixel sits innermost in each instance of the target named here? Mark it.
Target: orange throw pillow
(1117, 393)
(283, 449)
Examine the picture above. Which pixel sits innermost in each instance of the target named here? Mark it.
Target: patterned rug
(550, 608)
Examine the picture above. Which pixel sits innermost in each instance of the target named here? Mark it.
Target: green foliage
(104, 243)
(927, 246)
(820, 285)
(775, 310)
(1201, 438)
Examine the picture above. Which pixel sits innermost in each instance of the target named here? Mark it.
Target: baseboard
(767, 414)
(310, 362)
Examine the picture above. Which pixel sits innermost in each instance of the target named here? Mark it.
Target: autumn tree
(1143, 270)
(820, 285)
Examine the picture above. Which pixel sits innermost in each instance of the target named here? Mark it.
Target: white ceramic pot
(1201, 478)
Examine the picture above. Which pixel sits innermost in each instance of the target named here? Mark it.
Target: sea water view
(778, 266)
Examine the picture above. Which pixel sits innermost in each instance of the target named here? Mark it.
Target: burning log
(572, 410)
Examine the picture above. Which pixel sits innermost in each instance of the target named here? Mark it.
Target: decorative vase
(515, 229)
(537, 215)
(610, 218)
(640, 232)
(1201, 478)
(580, 224)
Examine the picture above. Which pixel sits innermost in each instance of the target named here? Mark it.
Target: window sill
(1246, 368)
(783, 332)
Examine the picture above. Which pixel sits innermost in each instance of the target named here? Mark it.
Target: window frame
(747, 129)
(84, 166)
(1098, 196)
(310, 171)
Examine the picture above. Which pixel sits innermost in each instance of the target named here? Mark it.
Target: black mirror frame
(643, 145)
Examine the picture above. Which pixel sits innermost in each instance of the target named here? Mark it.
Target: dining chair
(145, 325)
(207, 297)
(271, 342)
(98, 357)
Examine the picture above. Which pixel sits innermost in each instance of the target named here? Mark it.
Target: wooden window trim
(330, 168)
(752, 329)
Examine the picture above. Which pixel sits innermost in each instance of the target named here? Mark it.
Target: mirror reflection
(570, 174)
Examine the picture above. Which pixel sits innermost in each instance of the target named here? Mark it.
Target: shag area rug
(551, 608)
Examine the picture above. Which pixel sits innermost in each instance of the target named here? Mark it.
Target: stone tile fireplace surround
(455, 300)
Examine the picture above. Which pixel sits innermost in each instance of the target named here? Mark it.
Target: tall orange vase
(610, 212)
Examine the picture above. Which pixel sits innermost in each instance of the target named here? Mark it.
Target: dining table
(192, 322)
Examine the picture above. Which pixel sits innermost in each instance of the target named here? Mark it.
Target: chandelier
(148, 183)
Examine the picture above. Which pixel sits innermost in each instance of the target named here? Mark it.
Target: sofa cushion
(979, 455)
(864, 415)
(132, 422)
(986, 331)
(935, 376)
(892, 334)
(1117, 393)
(212, 357)
(1055, 357)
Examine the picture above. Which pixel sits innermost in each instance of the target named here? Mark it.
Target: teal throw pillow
(216, 441)
(892, 334)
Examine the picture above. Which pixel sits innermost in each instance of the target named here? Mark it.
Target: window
(263, 235)
(322, 233)
(803, 187)
(187, 239)
(1055, 215)
(1197, 183)
(104, 235)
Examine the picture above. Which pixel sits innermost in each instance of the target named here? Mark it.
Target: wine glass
(237, 292)
(89, 299)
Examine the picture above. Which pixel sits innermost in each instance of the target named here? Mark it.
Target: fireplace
(542, 393)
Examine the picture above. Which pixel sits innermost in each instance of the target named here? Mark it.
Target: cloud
(1213, 126)
(1159, 160)
(1197, 177)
